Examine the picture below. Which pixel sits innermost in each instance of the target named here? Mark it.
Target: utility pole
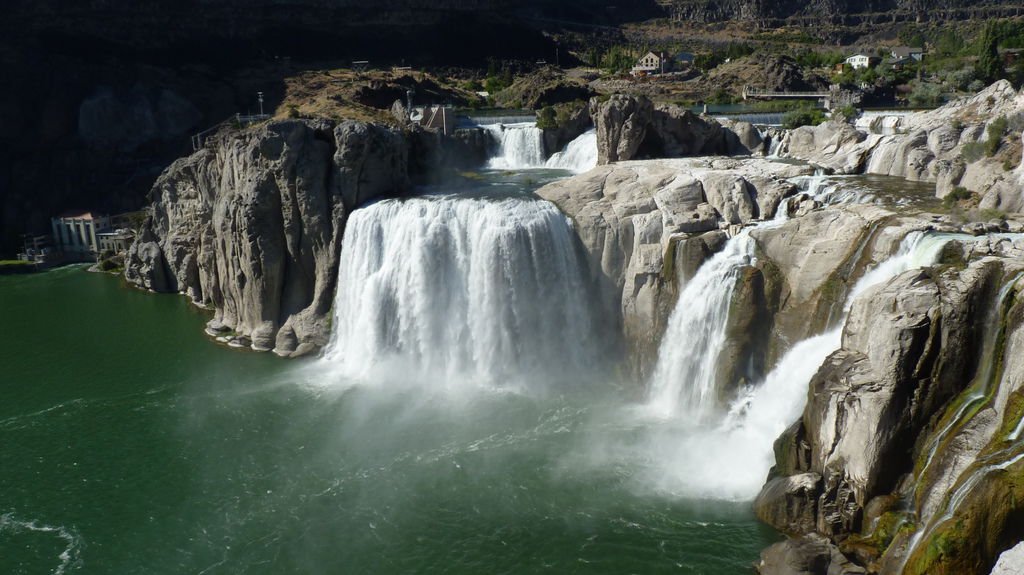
(259, 96)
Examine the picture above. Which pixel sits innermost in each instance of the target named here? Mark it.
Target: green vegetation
(989, 66)
(547, 119)
(974, 151)
(956, 196)
(15, 266)
(804, 116)
(924, 94)
(498, 77)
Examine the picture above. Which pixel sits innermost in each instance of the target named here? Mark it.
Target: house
(858, 61)
(900, 63)
(649, 63)
(75, 233)
(901, 52)
(685, 59)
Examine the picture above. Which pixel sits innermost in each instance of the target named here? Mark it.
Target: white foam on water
(69, 558)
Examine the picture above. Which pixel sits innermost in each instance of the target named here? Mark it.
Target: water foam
(69, 558)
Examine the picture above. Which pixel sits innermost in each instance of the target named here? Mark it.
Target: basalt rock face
(251, 226)
(948, 146)
(648, 225)
(632, 127)
(907, 459)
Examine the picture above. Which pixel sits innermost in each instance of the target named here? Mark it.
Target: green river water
(131, 443)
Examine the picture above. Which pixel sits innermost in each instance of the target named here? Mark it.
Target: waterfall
(467, 287)
(579, 156)
(684, 378)
(730, 459)
(520, 146)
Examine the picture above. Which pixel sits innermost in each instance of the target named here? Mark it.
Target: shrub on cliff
(803, 117)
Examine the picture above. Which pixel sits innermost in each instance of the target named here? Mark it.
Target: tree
(989, 67)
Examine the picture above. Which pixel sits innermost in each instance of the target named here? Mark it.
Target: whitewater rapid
(462, 287)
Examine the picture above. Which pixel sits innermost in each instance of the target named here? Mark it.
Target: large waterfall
(520, 146)
(461, 287)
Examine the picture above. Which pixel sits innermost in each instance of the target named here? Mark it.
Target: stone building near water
(83, 235)
(75, 233)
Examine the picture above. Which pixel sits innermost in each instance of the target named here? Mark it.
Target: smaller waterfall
(579, 156)
(731, 459)
(520, 146)
(684, 379)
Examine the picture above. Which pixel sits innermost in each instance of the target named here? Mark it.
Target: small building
(902, 52)
(860, 61)
(36, 249)
(649, 63)
(75, 233)
(115, 240)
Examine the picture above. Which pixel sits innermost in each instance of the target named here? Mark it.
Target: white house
(650, 63)
(858, 61)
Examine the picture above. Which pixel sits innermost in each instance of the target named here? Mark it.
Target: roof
(78, 215)
(906, 51)
(685, 57)
(859, 56)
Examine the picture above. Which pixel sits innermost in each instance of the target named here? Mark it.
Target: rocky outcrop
(631, 127)
(949, 146)
(642, 223)
(572, 120)
(251, 226)
(920, 402)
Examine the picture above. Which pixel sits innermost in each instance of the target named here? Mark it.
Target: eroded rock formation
(251, 226)
(946, 146)
(632, 127)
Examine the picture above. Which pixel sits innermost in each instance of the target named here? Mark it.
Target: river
(131, 443)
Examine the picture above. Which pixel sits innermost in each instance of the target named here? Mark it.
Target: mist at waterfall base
(693, 447)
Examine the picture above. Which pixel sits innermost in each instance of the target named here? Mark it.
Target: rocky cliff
(251, 226)
(834, 11)
(906, 459)
(633, 127)
(647, 225)
(973, 143)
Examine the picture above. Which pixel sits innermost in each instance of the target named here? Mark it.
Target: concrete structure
(116, 241)
(37, 249)
(858, 61)
(75, 233)
(649, 63)
(441, 118)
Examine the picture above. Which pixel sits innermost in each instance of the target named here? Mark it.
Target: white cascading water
(684, 379)
(520, 146)
(579, 156)
(461, 288)
(730, 460)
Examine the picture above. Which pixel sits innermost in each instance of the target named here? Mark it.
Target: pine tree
(989, 67)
